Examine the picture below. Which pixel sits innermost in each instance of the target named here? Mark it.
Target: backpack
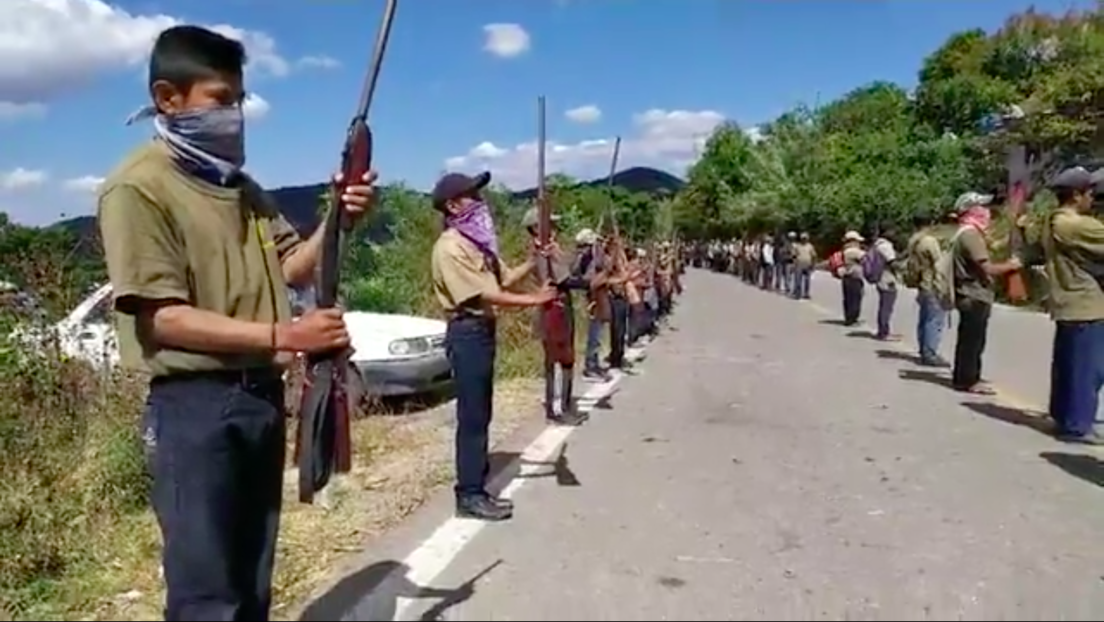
(911, 273)
(873, 265)
(944, 274)
(835, 263)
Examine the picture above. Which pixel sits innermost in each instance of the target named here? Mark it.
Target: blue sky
(456, 91)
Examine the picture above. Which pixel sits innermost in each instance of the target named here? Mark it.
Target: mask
(218, 132)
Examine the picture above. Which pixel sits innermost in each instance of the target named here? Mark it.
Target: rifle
(602, 307)
(559, 344)
(1019, 187)
(323, 444)
(620, 260)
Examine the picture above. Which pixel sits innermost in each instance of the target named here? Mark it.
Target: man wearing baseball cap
(973, 273)
(1073, 244)
(555, 268)
(591, 266)
(471, 282)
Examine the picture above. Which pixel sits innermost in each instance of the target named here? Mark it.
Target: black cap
(1074, 178)
(455, 185)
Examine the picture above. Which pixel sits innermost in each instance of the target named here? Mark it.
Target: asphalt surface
(769, 464)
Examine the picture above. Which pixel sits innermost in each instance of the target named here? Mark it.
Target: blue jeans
(802, 281)
(887, 299)
(929, 326)
(1076, 375)
(215, 447)
(593, 343)
(470, 345)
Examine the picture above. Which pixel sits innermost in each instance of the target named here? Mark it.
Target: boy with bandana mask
(470, 281)
(200, 261)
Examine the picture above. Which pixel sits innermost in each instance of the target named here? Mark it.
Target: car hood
(372, 333)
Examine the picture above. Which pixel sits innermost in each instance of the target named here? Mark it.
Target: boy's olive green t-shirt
(168, 235)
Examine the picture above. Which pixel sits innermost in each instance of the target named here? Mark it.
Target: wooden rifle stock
(1019, 179)
(559, 344)
(323, 443)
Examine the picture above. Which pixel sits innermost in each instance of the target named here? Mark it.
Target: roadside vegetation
(76, 538)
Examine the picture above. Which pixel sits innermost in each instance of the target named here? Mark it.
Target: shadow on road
(1015, 416)
(1088, 468)
(832, 322)
(898, 355)
(509, 465)
(372, 593)
(922, 375)
(863, 334)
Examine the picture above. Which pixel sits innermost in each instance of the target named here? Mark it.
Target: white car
(395, 354)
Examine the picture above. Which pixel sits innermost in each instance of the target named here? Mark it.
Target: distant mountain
(636, 179)
(300, 203)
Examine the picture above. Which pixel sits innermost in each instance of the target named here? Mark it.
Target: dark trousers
(887, 299)
(973, 328)
(1076, 375)
(619, 327)
(470, 345)
(853, 290)
(215, 444)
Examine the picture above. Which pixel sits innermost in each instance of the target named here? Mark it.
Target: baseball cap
(455, 185)
(586, 236)
(532, 218)
(966, 200)
(853, 236)
(1073, 178)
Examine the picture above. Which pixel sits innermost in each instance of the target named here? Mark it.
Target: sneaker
(597, 375)
(571, 419)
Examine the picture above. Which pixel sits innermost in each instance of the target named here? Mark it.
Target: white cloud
(83, 185)
(255, 106)
(505, 40)
(21, 178)
(754, 133)
(10, 111)
(584, 114)
(318, 61)
(664, 139)
(49, 48)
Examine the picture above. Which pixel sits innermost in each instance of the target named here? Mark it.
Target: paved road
(767, 465)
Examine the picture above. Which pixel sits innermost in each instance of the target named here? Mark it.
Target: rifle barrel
(382, 37)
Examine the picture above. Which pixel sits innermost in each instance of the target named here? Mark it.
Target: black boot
(483, 507)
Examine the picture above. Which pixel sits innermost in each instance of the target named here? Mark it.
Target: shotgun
(1019, 188)
(559, 345)
(323, 444)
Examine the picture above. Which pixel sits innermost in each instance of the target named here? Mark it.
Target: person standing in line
(590, 267)
(620, 307)
(1073, 245)
(766, 255)
(923, 258)
(470, 281)
(973, 273)
(784, 268)
(555, 268)
(200, 261)
(886, 285)
(851, 277)
(804, 260)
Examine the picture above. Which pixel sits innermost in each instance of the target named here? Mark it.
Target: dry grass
(400, 462)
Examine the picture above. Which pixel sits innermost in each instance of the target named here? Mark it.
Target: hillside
(300, 203)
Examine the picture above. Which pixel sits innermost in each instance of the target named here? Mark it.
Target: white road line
(434, 555)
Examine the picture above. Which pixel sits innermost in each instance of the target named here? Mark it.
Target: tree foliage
(878, 155)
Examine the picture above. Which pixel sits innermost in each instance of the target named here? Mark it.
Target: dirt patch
(400, 462)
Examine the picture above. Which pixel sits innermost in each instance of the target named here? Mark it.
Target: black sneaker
(500, 502)
(483, 508)
(1092, 438)
(935, 362)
